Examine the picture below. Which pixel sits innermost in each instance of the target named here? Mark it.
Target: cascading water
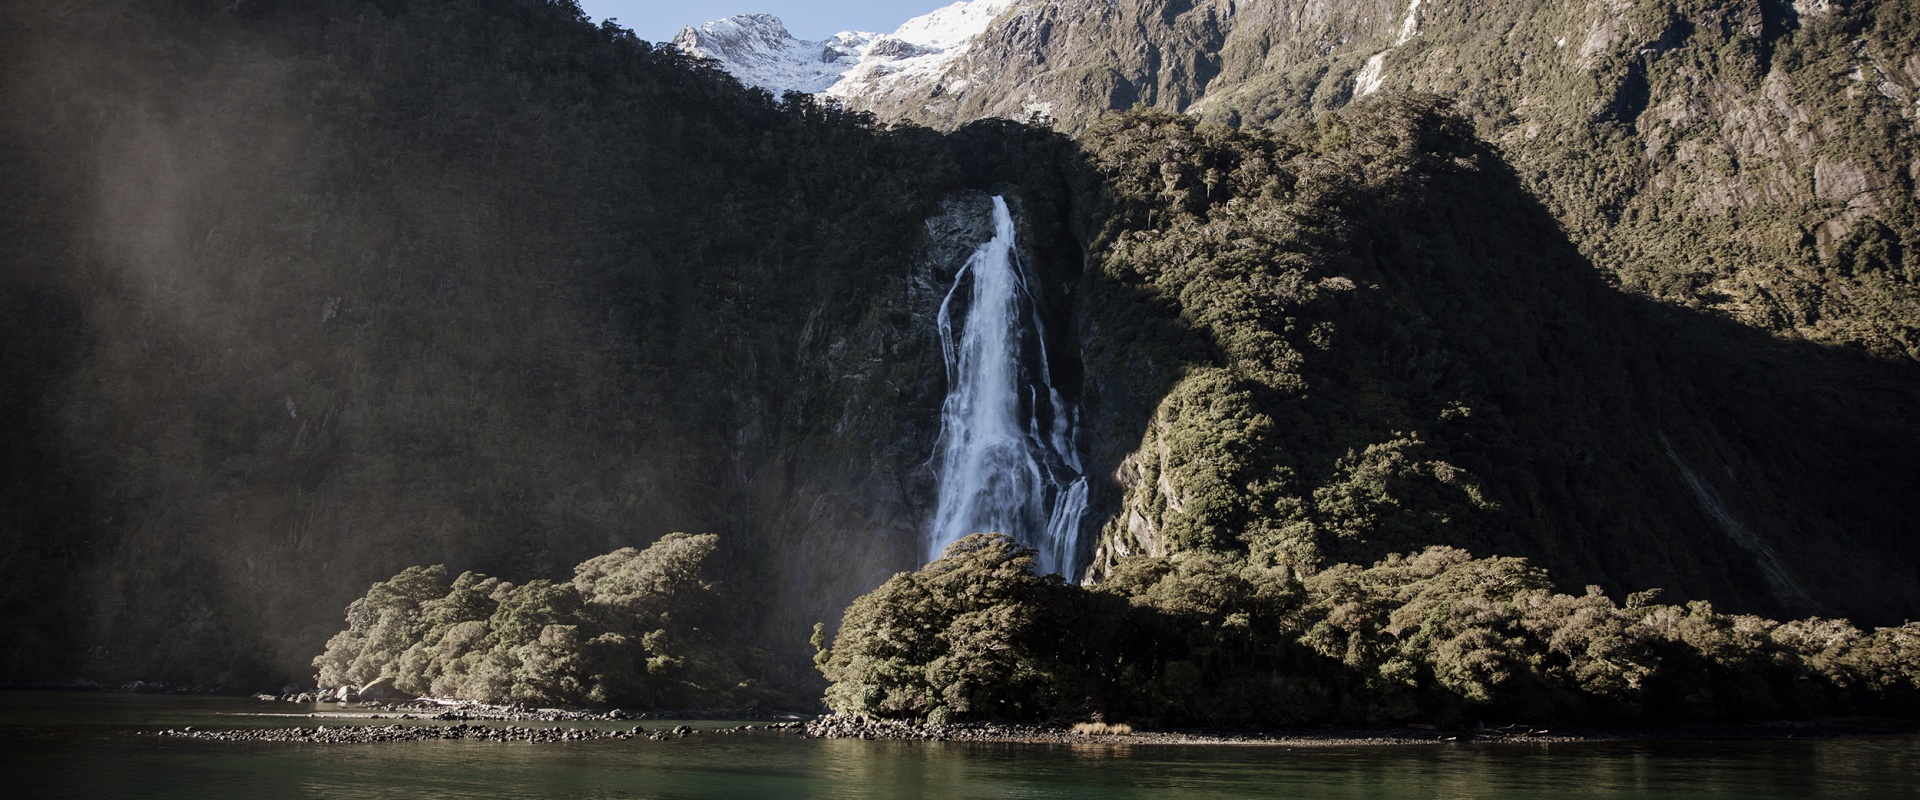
(1009, 455)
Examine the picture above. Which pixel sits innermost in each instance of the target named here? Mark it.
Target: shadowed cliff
(1366, 337)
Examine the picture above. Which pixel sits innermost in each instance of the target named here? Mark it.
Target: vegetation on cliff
(1363, 336)
(1436, 636)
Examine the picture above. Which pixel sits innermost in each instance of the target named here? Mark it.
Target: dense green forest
(633, 627)
(300, 297)
(1364, 336)
(1436, 636)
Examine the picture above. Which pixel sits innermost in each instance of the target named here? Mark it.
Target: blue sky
(659, 20)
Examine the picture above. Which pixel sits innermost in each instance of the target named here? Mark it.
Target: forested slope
(1365, 336)
(297, 296)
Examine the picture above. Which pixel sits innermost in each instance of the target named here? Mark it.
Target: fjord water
(93, 745)
(1009, 459)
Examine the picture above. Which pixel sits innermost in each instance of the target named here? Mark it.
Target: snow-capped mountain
(758, 50)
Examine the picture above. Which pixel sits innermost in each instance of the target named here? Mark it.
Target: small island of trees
(1199, 638)
(1437, 636)
(630, 628)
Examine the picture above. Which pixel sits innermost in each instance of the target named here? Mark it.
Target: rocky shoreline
(848, 727)
(367, 734)
(471, 711)
(424, 719)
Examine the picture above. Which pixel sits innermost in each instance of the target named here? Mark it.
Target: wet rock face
(964, 223)
(854, 505)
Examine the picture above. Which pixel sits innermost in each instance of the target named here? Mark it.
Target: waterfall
(1009, 454)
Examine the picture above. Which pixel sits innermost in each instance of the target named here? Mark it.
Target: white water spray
(1009, 455)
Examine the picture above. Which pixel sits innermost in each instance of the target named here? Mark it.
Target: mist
(332, 301)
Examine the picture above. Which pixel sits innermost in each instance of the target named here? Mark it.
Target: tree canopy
(625, 630)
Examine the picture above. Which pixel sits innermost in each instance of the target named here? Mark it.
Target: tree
(973, 635)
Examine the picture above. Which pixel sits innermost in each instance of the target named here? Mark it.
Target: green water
(85, 745)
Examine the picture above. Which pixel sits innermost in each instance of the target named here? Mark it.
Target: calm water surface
(87, 745)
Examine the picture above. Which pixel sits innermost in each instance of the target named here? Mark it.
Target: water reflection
(100, 746)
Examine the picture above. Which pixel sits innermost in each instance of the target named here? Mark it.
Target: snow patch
(758, 50)
(940, 38)
(1812, 8)
(1037, 109)
(952, 26)
(1410, 27)
(1371, 76)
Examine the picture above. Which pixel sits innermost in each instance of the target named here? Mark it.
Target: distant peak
(758, 50)
(732, 30)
